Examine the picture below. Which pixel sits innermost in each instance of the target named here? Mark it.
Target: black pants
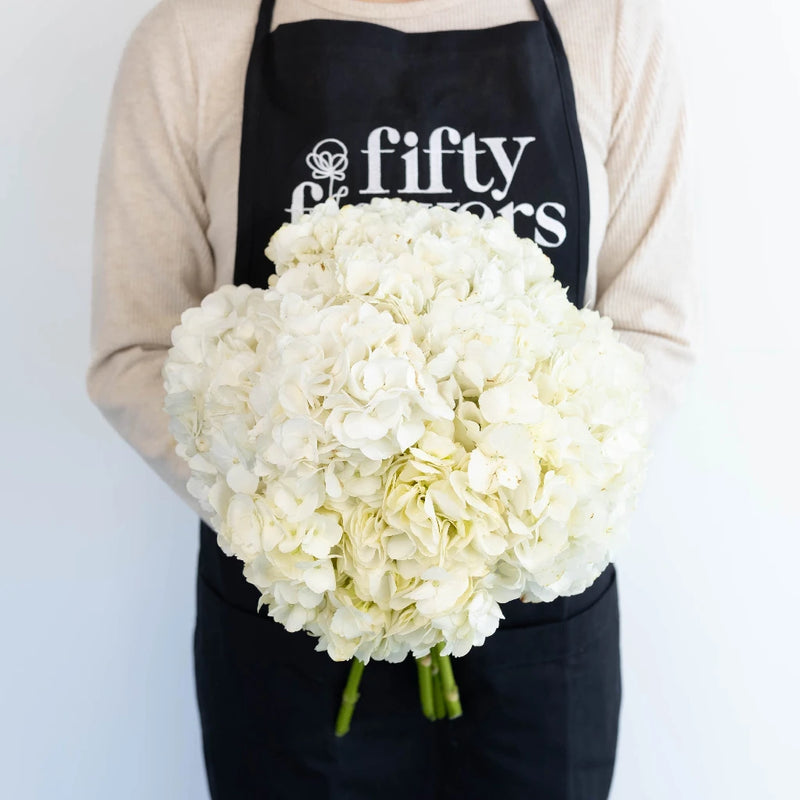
(541, 705)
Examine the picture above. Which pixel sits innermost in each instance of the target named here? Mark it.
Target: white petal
(241, 480)
(409, 433)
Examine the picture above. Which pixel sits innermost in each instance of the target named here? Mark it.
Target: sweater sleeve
(151, 257)
(646, 278)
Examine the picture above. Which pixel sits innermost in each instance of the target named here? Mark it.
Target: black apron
(477, 119)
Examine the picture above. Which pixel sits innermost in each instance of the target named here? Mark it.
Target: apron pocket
(266, 702)
(530, 634)
(541, 704)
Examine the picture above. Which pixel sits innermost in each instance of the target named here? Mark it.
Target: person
(231, 117)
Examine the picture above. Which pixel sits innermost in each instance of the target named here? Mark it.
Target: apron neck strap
(265, 14)
(542, 11)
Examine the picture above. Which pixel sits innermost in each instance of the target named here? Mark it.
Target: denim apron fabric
(477, 119)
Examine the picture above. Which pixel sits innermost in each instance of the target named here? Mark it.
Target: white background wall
(97, 570)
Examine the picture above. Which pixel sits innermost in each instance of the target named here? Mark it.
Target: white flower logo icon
(328, 160)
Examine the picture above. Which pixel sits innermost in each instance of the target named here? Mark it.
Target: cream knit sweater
(165, 227)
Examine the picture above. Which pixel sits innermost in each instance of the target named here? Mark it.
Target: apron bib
(483, 120)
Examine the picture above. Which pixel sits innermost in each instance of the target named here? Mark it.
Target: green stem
(349, 698)
(426, 686)
(452, 700)
(438, 698)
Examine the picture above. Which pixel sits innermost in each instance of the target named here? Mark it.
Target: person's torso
(220, 46)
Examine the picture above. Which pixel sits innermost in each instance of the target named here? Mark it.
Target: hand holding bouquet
(411, 426)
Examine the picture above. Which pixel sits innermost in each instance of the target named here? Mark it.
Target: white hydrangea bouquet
(410, 426)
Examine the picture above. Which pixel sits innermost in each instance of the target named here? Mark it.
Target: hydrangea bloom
(411, 426)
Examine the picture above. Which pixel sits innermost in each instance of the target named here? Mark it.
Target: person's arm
(646, 276)
(151, 257)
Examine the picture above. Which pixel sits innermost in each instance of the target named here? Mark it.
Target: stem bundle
(438, 692)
